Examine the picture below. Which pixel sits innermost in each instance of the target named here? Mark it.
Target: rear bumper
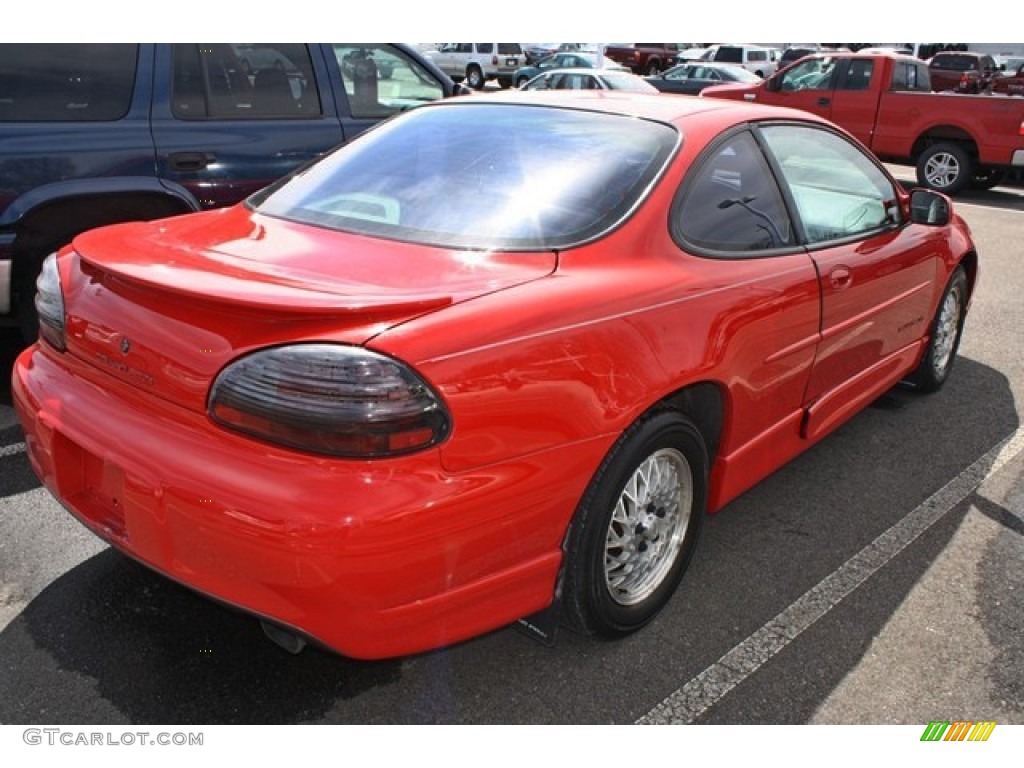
(372, 559)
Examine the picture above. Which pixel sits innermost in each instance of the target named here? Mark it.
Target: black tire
(986, 178)
(945, 167)
(943, 336)
(474, 77)
(653, 68)
(522, 81)
(636, 527)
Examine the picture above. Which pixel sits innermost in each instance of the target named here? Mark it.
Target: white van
(755, 58)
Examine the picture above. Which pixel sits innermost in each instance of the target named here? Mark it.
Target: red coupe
(499, 355)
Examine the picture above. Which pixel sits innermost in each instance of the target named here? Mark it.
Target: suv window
(381, 80)
(509, 49)
(733, 205)
(730, 53)
(484, 47)
(66, 82)
(243, 80)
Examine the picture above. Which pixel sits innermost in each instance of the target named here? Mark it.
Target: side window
(839, 192)
(381, 80)
(66, 82)
(485, 47)
(907, 76)
(216, 81)
(857, 76)
(731, 203)
(810, 74)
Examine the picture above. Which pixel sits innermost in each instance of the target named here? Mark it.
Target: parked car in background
(499, 356)
(643, 58)
(693, 77)
(885, 100)
(962, 71)
(565, 61)
(693, 53)
(1010, 82)
(755, 58)
(795, 54)
(534, 52)
(476, 63)
(589, 79)
(92, 134)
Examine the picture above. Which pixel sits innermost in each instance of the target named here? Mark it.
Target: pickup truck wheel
(945, 167)
(474, 77)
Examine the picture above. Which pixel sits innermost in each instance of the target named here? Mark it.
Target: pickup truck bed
(885, 100)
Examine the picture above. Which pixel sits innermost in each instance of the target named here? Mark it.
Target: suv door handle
(189, 161)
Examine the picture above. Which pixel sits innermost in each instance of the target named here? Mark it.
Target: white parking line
(11, 450)
(702, 692)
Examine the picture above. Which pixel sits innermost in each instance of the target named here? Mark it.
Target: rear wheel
(474, 77)
(636, 529)
(945, 167)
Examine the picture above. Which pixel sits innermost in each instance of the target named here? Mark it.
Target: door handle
(840, 278)
(189, 161)
(824, 101)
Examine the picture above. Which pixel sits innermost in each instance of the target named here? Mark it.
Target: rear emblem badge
(125, 346)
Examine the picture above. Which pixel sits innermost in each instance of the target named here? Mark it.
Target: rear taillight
(49, 303)
(330, 399)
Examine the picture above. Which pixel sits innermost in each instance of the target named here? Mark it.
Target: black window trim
(800, 239)
(682, 194)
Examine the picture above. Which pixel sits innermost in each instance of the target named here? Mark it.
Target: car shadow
(111, 642)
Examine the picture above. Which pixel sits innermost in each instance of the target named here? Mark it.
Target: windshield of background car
(464, 175)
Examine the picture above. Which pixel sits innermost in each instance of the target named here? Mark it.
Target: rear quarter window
(66, 82)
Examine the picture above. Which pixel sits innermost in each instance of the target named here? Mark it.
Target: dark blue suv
(92, 134)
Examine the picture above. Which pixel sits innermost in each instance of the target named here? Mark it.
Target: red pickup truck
(885, 100)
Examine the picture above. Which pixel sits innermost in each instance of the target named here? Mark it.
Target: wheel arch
(945, 133)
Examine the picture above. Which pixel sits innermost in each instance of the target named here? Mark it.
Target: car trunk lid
(165, 305)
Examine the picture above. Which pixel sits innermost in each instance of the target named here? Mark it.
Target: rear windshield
(959, 63)
(464, 175)
(66, 82)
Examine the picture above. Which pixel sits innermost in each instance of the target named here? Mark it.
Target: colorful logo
(958, 730)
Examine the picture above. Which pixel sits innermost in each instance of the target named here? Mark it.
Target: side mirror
(929, 207)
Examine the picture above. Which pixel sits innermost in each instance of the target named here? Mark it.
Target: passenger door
(806, 85)
(876, 275)
(229, 119)
(855, 98)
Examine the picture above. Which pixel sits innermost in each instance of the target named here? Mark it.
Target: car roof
(664, 107)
